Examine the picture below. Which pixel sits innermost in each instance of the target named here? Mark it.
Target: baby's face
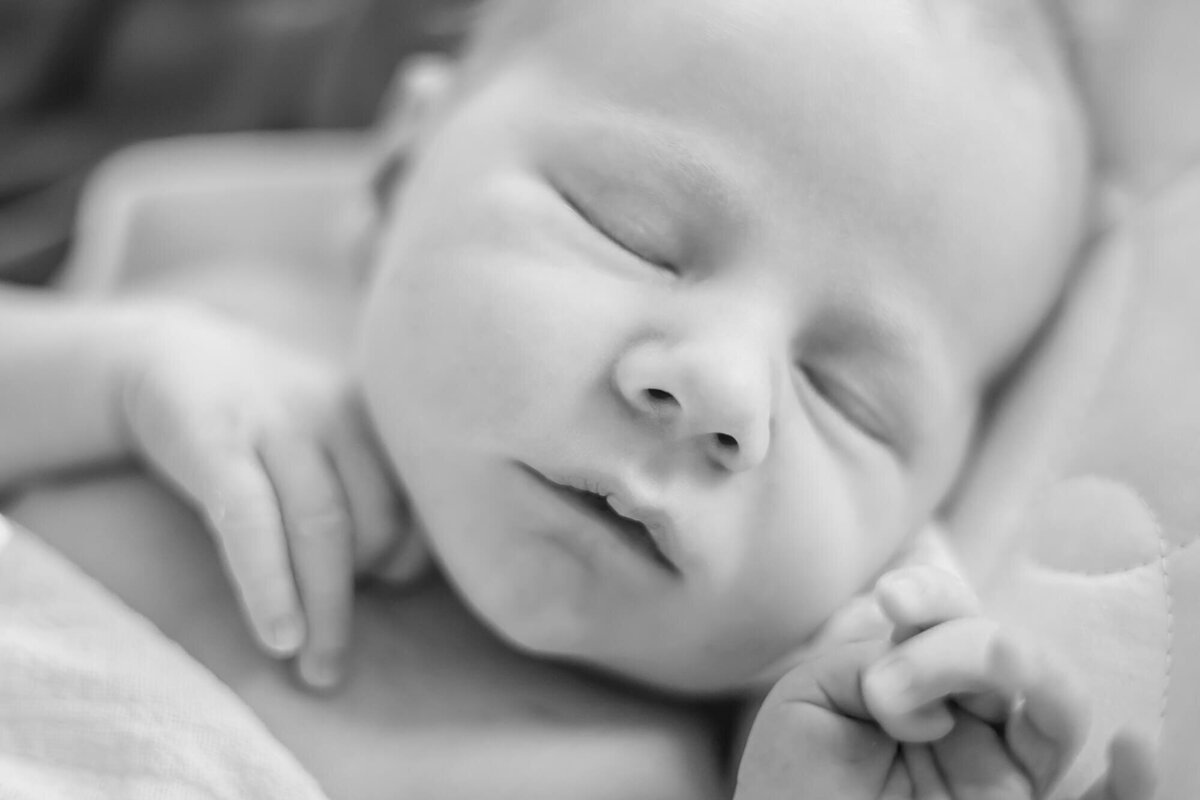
(682, 322)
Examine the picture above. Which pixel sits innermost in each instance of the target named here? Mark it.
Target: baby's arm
(57, 404)
(969, 711)
(263, 439)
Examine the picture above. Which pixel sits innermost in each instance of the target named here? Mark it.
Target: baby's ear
(417, 96)
(1036, 412)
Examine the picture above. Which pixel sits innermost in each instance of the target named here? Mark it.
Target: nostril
(660, 397)
(726, 441)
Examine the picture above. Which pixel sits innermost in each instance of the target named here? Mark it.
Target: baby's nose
(719, 394)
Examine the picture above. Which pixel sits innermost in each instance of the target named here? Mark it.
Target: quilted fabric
(1112, 574)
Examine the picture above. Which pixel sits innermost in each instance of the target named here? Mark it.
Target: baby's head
(686, 310)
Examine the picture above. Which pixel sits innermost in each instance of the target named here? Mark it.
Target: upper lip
(625, 501)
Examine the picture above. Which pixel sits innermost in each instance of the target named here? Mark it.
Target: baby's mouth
(633, 531)
(599, 506)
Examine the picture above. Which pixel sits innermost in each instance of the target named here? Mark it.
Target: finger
(243, 514)
(859, 620)
(906, 690)
(1049, 727)
(386, 543)
(832, 678)
(899, 785)
(918, 597)
(1131, 773)
(211, 460)
(374, 502)
(1132, 769)
(975, 762)
(320, 540)
(923, 771)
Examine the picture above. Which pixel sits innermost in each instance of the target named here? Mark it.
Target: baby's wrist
(132, 334)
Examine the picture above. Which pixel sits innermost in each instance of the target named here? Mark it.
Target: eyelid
(606, 231)
(849, 404)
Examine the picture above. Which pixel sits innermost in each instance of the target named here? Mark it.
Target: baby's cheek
(438, 349)
(836, 523)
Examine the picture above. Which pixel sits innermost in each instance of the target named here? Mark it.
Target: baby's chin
(562, 624)
(686, 671)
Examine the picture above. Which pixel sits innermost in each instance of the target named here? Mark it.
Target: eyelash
(848, 405)
(607, 233)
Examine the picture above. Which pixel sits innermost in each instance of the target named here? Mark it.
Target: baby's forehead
(1021, 31)
(930, 91)
(1011, 46)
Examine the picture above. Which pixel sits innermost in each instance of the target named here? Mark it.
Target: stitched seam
(1165, 551)
(1169, 665)
(1180, 547)
(1103, 573)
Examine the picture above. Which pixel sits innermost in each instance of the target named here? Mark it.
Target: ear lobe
(1037, 413)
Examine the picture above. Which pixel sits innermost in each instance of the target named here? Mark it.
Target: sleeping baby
(682, 321)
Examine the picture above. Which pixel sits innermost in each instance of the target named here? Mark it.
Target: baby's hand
(956, 707)
(271, 447)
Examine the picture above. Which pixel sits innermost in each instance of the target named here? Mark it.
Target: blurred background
(80, 78)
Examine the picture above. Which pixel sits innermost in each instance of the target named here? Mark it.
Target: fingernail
(319, 671)
(286, 634)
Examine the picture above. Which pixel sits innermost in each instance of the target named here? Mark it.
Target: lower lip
(631, 536)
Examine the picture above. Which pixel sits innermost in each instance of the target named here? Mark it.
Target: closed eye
(848, 404)
(621, 240)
